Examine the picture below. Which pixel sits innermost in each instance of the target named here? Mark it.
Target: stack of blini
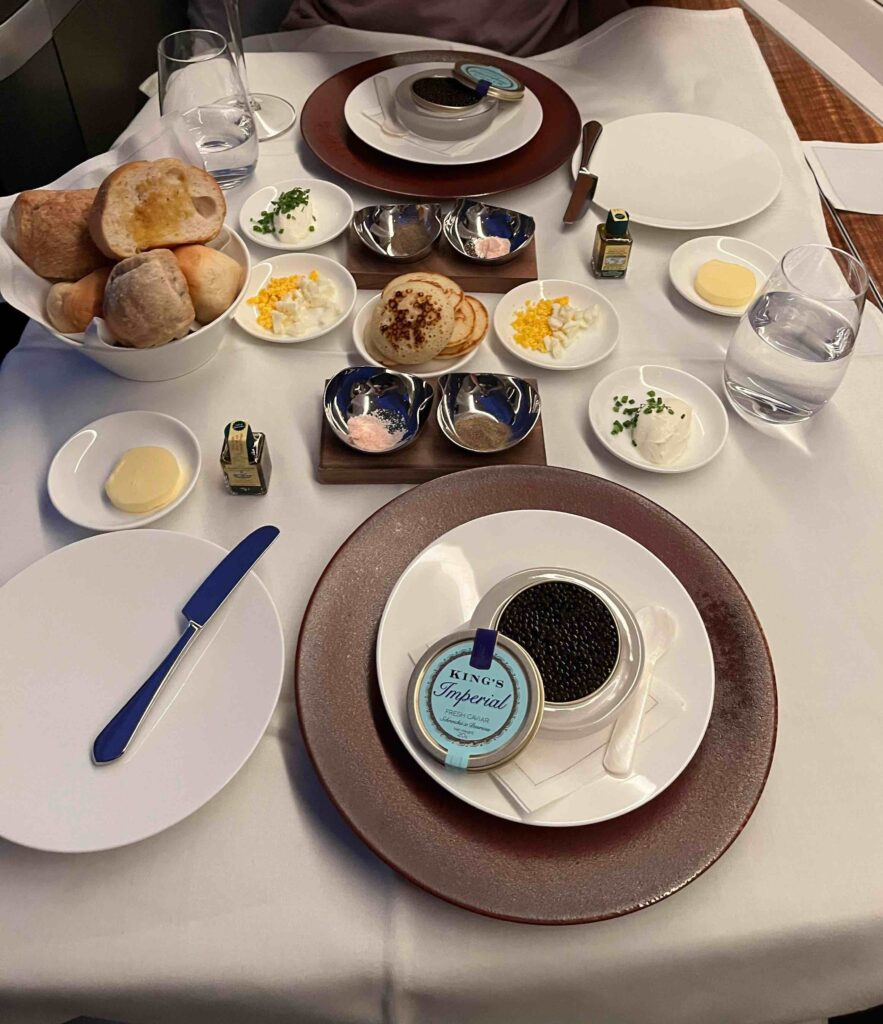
(423, 316)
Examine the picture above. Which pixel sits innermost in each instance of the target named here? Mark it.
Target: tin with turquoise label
(475, 699)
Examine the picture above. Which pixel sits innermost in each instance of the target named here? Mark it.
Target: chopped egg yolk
(275, 290)
(531, 323)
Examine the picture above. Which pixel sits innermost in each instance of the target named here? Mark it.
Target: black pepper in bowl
(569, 632)
(445, 91)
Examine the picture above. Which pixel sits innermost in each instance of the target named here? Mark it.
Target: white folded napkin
(849, 173)
(448, 148)
(556, 764)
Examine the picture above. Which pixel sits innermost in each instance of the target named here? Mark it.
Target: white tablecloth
(263, 906)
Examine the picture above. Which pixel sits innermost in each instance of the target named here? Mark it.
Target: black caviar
(570, 634)
(447, 92)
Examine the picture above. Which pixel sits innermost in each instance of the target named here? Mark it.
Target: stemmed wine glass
(272, 114)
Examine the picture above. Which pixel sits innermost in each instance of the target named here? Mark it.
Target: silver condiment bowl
(499, 398)
(602, 704)
(359, 390)
(471, 219)
(375, 226)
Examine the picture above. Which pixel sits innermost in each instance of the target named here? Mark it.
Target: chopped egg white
(566, 323)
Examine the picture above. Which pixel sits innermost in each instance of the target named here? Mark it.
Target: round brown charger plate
(326, 133)
(496, 867)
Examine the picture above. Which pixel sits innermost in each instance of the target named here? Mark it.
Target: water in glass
(787, 358)
(225, 136)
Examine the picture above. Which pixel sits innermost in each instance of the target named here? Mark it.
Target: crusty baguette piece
(70, 306)
(146, 302)
(213, 277)
(155, 204)
(49, 229)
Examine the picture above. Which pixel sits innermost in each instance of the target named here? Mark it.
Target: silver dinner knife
(214, 590)
(586, 182)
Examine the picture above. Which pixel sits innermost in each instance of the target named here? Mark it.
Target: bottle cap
(617, 223)
(489, 80)
(475, 699)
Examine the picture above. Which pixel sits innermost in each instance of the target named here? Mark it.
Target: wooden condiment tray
(430, 456)
(374, 272)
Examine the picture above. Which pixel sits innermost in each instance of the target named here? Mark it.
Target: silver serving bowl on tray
(495, 409)
(376, 227)
(603, 703)
(400, 399)
(472, 219)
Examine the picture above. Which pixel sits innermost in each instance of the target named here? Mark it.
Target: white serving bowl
(177, 357)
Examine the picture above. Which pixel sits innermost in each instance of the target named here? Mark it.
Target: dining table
(263, 906)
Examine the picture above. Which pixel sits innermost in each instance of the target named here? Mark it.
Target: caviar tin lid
(586, 642)
(475, 699)
(489, 80)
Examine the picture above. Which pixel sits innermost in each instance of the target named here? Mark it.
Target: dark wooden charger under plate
(371, 271)
(501, 868)
(431, 455)
(325, 131)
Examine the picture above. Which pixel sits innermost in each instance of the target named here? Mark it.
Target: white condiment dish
(710, 422)
(332, 206)
(427, 370)
(84, 462)
(285, 266)
(591, 346)
(688, 258)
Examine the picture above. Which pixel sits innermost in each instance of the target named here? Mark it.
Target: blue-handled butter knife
(214, 590)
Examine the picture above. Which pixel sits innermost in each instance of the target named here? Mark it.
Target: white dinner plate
(439, 591)
(683, 171)
(81, 631)
(688, 258)
(82, 465)
(427, 370)
(291, 263)
(333, 208)
(710, 422)
(597, 342)
(510, 130)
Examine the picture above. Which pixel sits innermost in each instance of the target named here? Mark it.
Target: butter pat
(144, 479)
(725, 284)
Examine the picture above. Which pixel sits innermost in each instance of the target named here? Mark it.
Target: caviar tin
(603, 702)
(437, 120)
(489, 80)
(475, 699)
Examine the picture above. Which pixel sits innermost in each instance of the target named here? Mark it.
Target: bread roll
(71, 307)
(155, 204)
(146, 302)
(413, 321)
(214, 279)
(49, 229)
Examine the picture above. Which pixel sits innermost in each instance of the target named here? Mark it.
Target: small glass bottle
(245, 459)
(613, 246)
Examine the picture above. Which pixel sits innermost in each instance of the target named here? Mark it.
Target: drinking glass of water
(199, 79)
(793, 345)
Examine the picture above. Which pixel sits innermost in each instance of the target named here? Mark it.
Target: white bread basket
(25, 290)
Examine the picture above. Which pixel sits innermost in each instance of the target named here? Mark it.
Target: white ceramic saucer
(688, 258)
(594, 345)
(84, 462)
(511, 129)
(463, 565)
(427, 370)
(285, 266)
(710, 422)
(333, 208)
(82, 629)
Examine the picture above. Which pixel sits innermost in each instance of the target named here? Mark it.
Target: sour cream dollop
(662, 437)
